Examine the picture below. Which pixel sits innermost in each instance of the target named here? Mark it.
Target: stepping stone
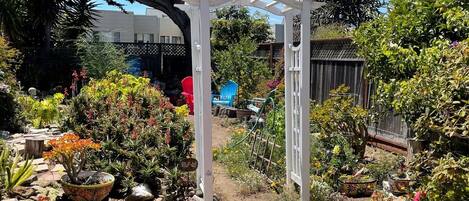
(50, 176)
(35, 131)
(58, 168)
(42, 168)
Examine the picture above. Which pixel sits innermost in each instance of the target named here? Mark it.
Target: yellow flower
(336, 150)
(182, 111)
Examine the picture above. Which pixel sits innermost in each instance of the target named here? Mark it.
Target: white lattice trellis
(297, 61)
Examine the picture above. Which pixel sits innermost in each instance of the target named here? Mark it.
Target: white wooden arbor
(297, 87)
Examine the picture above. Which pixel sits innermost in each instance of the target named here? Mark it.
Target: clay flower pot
(361, 188)
(94, 192)
(400, 185)
(243, 113)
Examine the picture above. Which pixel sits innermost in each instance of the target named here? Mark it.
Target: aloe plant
(12, 174)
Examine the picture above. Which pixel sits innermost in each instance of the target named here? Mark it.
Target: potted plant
(401, 182)
(72, 152)
(357, 185)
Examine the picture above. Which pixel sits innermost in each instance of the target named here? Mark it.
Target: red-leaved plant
(72, 152)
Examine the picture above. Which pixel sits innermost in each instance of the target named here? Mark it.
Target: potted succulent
(401, 182)
(357, 185)
(72, 152)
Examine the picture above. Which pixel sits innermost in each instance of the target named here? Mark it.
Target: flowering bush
(338, 115)
(72, 152)
(41, 112)
(139, 129)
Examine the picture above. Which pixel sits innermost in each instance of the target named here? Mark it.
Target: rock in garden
(140, 193)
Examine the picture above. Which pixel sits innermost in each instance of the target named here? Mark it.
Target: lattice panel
(333, 49)
(295, 82)
(137, 49)
(173, 49)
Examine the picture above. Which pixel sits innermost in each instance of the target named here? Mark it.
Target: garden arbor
(297, 87)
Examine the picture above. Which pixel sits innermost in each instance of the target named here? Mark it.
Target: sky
(139, 9)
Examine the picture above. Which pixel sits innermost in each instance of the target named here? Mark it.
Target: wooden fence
(333, 63)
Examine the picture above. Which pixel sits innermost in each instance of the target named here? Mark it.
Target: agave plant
(12, 174)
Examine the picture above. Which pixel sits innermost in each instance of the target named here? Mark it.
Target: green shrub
(100, 58)
(338, 115)
(238, 64)
(449, 180)
(41, 112)
(12, 174)
(330, 31)
(10, 118)
(140, 132)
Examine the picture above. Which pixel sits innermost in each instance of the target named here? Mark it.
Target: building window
(165, 39)
(144, 38)
(176, 40)
(116, 37)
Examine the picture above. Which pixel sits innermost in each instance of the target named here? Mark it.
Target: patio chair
(227, 95)
(188, 92)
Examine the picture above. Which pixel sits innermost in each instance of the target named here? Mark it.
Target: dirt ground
(226, 189)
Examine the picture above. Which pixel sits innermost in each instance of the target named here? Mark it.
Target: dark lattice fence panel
(174, 49)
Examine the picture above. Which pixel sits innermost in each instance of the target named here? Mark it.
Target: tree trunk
(34, 147)
(179, 17)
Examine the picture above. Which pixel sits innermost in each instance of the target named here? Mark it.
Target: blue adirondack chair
(227, 95)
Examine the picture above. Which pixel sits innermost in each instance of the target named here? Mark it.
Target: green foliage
(449, 180)
(330, 31)
(234, 23)
(331, 156)
(435, 100)
(10, 118)
(8, 57)
(236, 160)
(383, 167)
(338, 115)
(138, 128)
(350, 13)
(12, 174)
(394, 45)
(100, 58)
(321, 191)
(41, 112)
(32, 23)
(237, 64)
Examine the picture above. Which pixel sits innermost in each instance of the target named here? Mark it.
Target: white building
(153, 27)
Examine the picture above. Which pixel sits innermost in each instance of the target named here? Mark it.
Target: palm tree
(76, 19)
(11, 14)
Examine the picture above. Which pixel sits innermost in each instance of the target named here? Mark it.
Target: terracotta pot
(242, 113)
(357, 189)
(400, 186)
(96, 192)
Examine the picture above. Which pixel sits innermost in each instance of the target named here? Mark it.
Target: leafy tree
(234, 23)
(40, 23)
(237, 64)
(418, 56)
(100, 58)
(348, 12)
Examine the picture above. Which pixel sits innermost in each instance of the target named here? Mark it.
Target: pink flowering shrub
(140, 132)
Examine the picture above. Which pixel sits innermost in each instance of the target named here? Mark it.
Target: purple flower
(454, 43)
(273, 83)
